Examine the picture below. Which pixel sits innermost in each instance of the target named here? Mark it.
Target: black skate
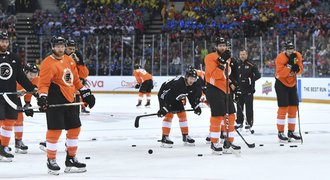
(43, 146)
(20, 147)
(216, 148)
(230, 148)
(147, 105)
(208, 140)
(73, 165)
(84, 111)
(239, 127)
(53, 167)
(292, 136)
(282, 137)
(5, 156)
(139, 104)
(166, 142)
(188, 140)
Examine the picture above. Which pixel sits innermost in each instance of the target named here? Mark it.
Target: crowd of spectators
(251, 24)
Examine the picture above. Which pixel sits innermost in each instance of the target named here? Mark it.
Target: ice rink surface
(108, 134)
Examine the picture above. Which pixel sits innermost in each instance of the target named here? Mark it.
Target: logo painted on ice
(266, 87)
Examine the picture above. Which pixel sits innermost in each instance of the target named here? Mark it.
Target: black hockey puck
(133, 145)
(150, 151)
(306, 132)
(93, 139)
(87, 157)
(199, 154)
(261, 144)
(111, 115)
(252, 131)
(291, 146)
(281, 144)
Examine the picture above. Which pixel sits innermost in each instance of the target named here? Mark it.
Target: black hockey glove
(224, 57)
(42, 103)
(87, 97)
(197, 110)
(28, 112)
(292, 59)
(137, 86)
(162, 112)
(295, 68)
(35, 92)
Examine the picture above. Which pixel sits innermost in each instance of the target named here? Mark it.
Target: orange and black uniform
(216, 95)
(286, 92)
(59, 80)
(18, 126)
(144, 79)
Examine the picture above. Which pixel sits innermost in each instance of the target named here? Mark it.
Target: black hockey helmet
(4, 35)
(137, 66)
(220, 40)
(71, 42)
(30, 67)
(57, 40)
(191, 72)
(289, 45)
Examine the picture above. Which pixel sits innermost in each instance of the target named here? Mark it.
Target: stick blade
(137, 122)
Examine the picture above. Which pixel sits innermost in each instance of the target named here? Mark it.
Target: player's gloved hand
(292, 59)
(137, 86)
(295, 68)
(87, 97)
(162, 112)
(197, 110)
(28, 112)
(42, 103)
(224, 57)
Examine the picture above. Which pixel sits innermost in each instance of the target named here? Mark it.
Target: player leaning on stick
(57, 85)
(144, 84)
(170, 98)
(11, 71)
(288, 66)
(216, 64)
(31, 72)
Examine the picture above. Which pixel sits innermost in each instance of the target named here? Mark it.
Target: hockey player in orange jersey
(217, 71)
(71, 50)
(144, 84)
(58, 83)
(31, 72)
(288, 66)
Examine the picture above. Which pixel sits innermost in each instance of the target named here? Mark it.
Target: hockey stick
(20, 108)
(249, 145)
(302, 141)
(19, 93)
(137, 119)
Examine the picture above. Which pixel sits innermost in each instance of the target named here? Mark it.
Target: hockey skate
(282, 138)
(208, 140)
(20, 147)
(139, 104)
(5, 156)
(84, 111)
(166, 142)
(147, 105)
(53, 167)
(188, 141)
(216, 148)
(43, 146)
(73, 165)
(292, 136)
(230, 148)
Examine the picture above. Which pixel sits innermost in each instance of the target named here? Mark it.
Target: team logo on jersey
(266, 87)
(67, 77)
(6, 71)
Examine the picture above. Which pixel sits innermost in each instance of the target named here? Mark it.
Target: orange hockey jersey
(62, 73)
(82, 71)
(27, 97)
(283, 73)
(213, 74)
(141, 75)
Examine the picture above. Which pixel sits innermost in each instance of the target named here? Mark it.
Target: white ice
(112, 156)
